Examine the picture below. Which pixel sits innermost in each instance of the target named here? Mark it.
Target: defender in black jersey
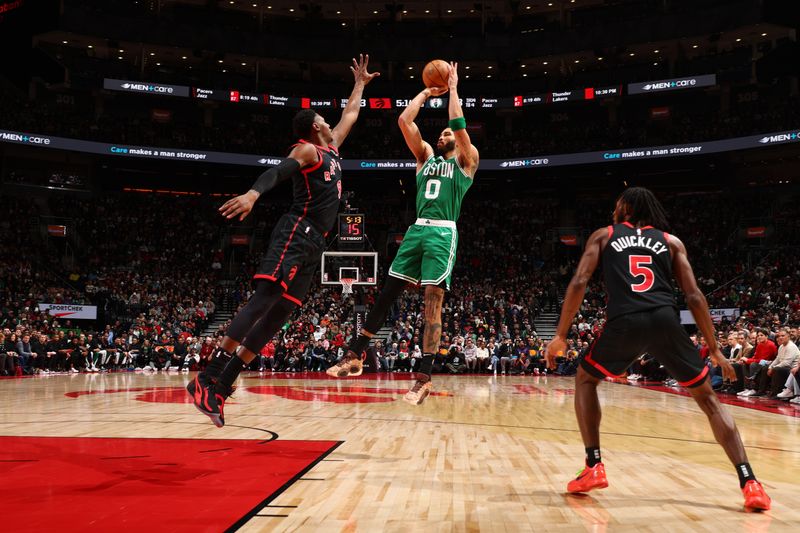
(640, 260)
(296, 245)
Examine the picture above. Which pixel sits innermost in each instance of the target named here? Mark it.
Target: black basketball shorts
(294, 254)
(657, 332)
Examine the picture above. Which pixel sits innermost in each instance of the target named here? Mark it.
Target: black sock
(593, 456)
(745, 474)
(360, 344)
(219, 358)
(229, 375)
(426, 365)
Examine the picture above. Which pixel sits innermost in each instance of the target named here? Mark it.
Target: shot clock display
(352, 231)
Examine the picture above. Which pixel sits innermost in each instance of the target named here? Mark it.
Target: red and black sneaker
(200, 381)
(589, 479)
(208, 400)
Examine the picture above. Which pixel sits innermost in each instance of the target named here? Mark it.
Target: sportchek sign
(80, 312)
(730, 314)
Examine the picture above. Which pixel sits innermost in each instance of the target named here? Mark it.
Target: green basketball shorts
(428, 253)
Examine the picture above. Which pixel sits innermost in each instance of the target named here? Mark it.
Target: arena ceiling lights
(399, 10)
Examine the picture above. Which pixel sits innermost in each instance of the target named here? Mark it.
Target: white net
(347, 285)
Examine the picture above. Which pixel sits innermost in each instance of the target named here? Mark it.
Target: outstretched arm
(301, 156)
(350, 113)
(467, 153)
(697, 304)
(421, 150)
(575, 291)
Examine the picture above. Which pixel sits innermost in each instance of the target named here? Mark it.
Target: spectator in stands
(266, 358)
(506, 355)
(774, 379)
(415, 356)
(764, 353)
(78, 355)
(471, 355)
(481, 355)
(494, 357)
(567, 365)
(6, 357)
(732, 351)
(179, 353)
(391, 358)
(319, 357)
(191, 360)
(26, 356)
(791, 389)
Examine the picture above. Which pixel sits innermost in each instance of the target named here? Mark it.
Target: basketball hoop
(347, 285)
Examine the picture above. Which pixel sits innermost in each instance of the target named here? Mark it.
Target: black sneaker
(208, 400)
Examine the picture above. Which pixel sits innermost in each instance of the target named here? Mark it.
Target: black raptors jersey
(317, 189)
(637, 266)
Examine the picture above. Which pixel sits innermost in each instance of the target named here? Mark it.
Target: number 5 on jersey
(635, 263)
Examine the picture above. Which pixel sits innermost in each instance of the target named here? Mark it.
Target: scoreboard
(582, 94)
(352, 231)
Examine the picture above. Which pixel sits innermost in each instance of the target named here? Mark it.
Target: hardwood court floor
(486, 454)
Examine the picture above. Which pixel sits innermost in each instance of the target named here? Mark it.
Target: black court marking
(311, 479)
(255, 510)
(19, 460)
(272, 434)
(216, 450)
(282, 506)
(333, 459)
(274, 515)
(514, 426)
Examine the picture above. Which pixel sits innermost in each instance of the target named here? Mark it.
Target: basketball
(435, 73)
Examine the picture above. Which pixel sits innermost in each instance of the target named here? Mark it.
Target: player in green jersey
(428, 252)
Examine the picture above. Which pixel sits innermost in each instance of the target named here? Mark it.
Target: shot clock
(352, 235)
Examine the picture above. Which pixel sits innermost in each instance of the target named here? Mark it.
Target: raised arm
(301, 156)
(467, 154)
(697, 304)
(575, 291)
(421, 150)
(350, 113)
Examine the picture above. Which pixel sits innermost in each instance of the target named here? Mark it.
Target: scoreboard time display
(352, 234)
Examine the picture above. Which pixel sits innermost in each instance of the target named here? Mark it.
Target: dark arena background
(126, 125)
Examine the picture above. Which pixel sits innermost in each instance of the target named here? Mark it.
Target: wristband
(457, 123)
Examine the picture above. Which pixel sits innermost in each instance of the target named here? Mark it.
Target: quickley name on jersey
(638, 241)
(441, 186)
(637, 268)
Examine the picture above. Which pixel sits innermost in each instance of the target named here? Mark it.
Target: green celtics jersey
(441, 185)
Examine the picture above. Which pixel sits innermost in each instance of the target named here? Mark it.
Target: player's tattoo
(433, 320)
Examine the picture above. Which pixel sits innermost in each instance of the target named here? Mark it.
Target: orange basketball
(435, 73)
